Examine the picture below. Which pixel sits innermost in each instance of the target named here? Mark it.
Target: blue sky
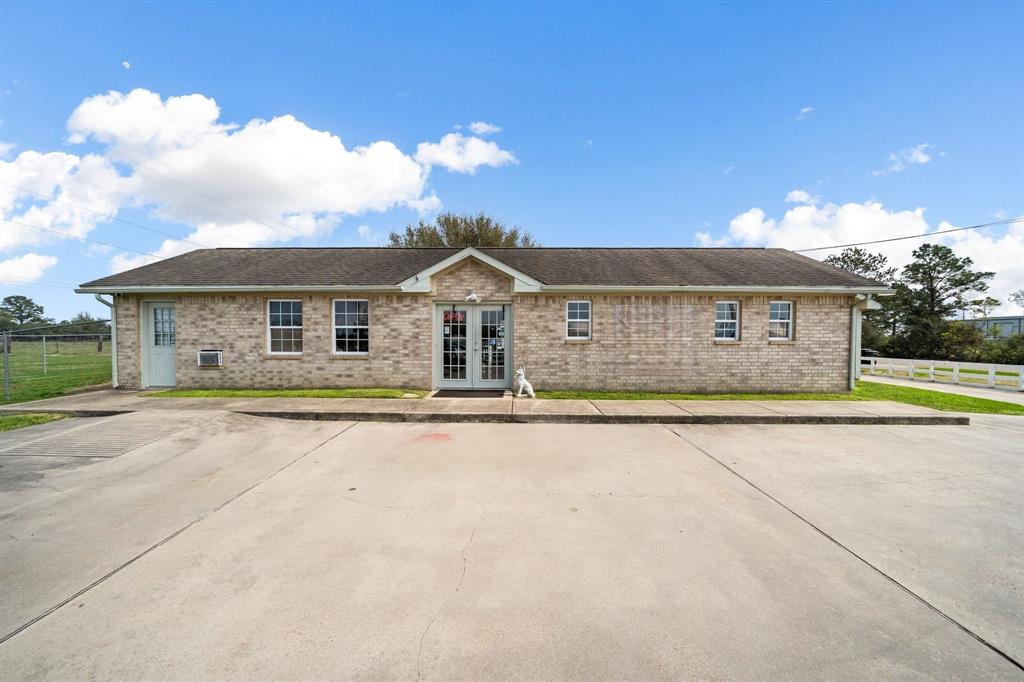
(640, 124)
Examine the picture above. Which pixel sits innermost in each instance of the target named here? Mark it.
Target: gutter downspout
(855, 338)
(113, 337)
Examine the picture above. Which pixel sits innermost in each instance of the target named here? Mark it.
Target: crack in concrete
(444, 604)
(347, 498)
(955, 623)
(564, 493)
(173, 535)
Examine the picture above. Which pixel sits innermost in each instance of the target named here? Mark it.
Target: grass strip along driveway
(20, 421)
(946, 402)
(290, 393)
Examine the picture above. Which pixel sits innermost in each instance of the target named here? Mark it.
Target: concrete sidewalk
(1002, 395)
(508, 409)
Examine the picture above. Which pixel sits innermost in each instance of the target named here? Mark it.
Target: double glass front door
(473, 346)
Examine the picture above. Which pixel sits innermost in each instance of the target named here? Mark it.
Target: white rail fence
(982, 375)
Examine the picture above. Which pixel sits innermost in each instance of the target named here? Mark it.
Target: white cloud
(58, 191)
(368, 236)
(26, 268)
(428, 204)
(481, 128)
(803, 113)
(240, 185)
(126, 65)
(810, 225)
(728, 169)
(6, 148)
(462, 154)
(799, 196)
(917, 155)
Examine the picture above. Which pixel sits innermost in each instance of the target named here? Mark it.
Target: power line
(84, 239)
(13, 284)
(22, 280)
(105, 215)
(915, 236)
(290, 235)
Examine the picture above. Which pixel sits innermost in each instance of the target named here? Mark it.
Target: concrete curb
(502, 418)
(513, 418)
(69, 412)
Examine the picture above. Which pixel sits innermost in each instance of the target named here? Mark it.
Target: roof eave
(519, 288)
(239, 288)
(734, 289)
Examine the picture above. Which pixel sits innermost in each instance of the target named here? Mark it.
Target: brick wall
(472, 276)
(656, 343)
(666, 343)
(129, 373)
(400, 346)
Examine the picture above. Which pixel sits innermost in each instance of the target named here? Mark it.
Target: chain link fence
(44, 362)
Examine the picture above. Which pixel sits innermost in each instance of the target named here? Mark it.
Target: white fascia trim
(520, 286)
(577, 288)
(279, 288)
(420, 282)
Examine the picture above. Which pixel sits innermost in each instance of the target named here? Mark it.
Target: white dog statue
(522, 385)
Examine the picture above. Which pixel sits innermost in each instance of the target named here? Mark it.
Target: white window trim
(286, 300)
(789, 327)
(335, 327)
(590, 321)
(739, 317)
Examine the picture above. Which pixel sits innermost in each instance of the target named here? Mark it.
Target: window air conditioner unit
(210, 358)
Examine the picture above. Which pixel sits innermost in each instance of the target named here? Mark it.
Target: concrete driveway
(241, 547)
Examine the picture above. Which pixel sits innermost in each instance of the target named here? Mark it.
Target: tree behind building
(459, 231)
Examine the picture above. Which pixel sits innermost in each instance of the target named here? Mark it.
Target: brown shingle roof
(334, 267)
(675, 267)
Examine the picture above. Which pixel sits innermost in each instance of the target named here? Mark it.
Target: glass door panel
(492, 345)
(455, 344)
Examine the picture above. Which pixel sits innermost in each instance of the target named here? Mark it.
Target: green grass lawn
(290, 393)
(70, 365)
(9, 422)
(947, 402)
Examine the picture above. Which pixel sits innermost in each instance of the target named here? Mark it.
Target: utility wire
(9, 284)
(914, 236)
(84, 239)
(290, 235)
(105, 215)
(224, 157)
(22, 280)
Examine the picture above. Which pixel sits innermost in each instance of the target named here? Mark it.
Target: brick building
(691, 320)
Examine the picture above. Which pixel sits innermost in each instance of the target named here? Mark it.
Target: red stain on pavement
(435, 436)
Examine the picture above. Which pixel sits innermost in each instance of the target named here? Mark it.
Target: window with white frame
(284, 322)
(727, 321)
(780, 320)
(351, 327)
(577, 320)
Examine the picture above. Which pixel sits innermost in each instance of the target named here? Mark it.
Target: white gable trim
(420, 282)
